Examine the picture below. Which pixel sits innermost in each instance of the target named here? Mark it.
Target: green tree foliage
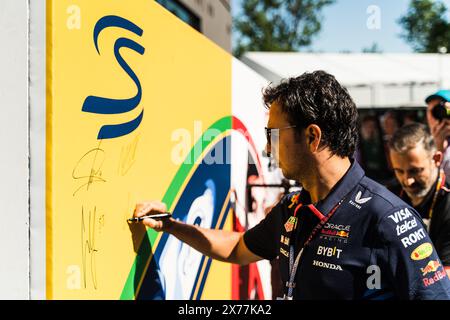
(425, 26)
(277, 25)
(374, 48)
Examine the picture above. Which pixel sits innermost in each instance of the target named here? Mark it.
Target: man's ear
(313, 137)
(437, 158)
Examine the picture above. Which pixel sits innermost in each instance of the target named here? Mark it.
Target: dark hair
(409, 136)
(318, 98)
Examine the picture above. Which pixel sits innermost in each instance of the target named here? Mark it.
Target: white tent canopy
(381, 80)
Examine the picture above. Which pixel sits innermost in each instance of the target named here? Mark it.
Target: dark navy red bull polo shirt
(373, 246)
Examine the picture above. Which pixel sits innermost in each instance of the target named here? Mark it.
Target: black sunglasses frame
(269, 132)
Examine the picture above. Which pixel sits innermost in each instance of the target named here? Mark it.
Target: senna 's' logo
(100, 105)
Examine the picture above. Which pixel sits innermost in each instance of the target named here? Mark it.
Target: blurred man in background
(416, 162)
(439, 122)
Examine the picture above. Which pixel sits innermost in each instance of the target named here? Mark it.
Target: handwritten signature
(88, 247)
(128, 156)
(92, 161)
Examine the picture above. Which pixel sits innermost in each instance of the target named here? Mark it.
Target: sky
(345, 26)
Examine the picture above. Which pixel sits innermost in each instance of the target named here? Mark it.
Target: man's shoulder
(390, 216)
(383, 202)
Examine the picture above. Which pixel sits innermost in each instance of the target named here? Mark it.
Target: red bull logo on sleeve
(438, 276)
(432, 266)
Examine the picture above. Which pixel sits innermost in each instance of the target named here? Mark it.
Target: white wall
(37, 85)
(14, 236)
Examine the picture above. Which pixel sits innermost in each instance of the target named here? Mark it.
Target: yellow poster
(136, 103)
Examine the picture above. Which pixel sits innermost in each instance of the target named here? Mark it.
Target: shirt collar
(344, 186)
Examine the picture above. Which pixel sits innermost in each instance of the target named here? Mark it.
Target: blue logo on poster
(100, 105)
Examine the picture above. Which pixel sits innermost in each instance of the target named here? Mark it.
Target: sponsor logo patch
(335, 232)
(342, 234)
(338, 227)
(294, 200)
(284, 240)
(401, 215)
(432, 266)
(284, 252)
(290, 224)
(406, 226)
(413, 237)
(438, 276)
(327, 265)
(329, 252)
(359, 201)
(421, 252)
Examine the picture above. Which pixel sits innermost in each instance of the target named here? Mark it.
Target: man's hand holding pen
(152, 214)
